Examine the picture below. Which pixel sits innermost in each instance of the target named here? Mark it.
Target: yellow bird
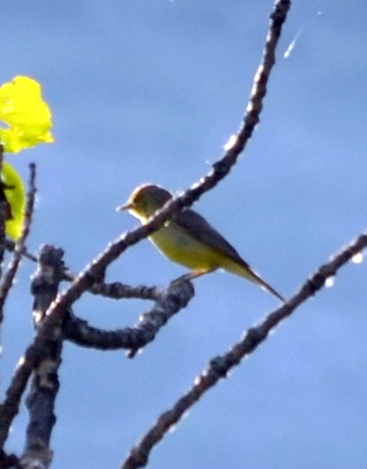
(188, 239)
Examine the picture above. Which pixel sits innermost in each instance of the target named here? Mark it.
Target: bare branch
(219, 367)
(117, 291)
(45, 383)
(9, 408)
(171, 300)
(4, 212)
(44, 289)
(8, 278)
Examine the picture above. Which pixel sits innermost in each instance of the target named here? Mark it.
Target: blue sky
(150, 92)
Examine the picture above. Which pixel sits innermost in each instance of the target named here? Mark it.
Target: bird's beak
(125, 206)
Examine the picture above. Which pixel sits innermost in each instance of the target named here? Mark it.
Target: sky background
(150, 92)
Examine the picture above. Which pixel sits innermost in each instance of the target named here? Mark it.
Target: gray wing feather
(197, 226)
(191, 221)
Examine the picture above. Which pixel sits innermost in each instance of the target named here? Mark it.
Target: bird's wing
(193, 223)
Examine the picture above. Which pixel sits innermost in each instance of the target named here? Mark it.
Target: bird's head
(145, 200)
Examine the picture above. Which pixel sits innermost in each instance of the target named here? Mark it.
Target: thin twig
(8, 278)
(4, 209)
(10, 246)
(219, 367)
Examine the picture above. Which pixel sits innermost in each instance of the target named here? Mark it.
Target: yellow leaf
(16, 198)
(26, 114)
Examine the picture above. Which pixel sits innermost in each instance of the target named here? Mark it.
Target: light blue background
(151, 91)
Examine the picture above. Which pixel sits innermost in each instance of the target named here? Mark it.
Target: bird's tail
(244, 270)
(267, 287)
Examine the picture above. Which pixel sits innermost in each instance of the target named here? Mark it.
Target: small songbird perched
(188, 239)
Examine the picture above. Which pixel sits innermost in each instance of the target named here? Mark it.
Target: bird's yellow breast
(184, 249)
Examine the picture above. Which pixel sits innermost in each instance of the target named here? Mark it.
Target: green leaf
(26, 114)
(16, 198)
